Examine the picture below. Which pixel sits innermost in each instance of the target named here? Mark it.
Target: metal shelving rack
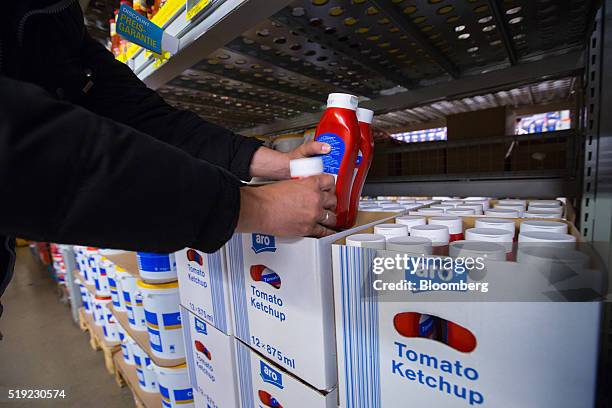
(265, 67)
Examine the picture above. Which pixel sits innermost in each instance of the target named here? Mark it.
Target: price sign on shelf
(195, 6)
(143, 32)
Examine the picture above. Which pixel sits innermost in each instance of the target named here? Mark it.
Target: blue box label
(270, 375)
(200, 326)
(263, 243)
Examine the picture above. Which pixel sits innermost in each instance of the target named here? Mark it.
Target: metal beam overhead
(401, 21)
(285, 18)
(498, 15)
(552, 67)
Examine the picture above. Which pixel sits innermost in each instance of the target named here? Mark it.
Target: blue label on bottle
(332, 160)
(172, 320)
(149, 262)
(183, 396)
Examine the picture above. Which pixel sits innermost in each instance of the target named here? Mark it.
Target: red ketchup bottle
(339, 128)
(363, 162)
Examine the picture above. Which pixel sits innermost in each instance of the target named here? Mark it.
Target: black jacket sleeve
(70, 176)
(118, 94)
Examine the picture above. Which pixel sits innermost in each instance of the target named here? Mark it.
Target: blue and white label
(149, 262)
(200, 326)
(332, 160)
(270, 375)
(263, 243)
(139, 30)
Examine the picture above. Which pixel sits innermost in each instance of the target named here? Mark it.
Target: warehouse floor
(44, 349)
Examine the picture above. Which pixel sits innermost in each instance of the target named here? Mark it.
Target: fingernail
(326, 148)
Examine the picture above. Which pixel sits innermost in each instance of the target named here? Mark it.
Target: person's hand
(308, 150)
(292, 208)
(274, 165)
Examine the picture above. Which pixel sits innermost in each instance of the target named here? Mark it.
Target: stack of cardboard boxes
(259, 321)
(273, 322)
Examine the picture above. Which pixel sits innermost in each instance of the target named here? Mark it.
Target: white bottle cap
(488, 235)
(371, 209)
(513, 201)
(544, 226)
(430, 211)
(502, 212)
(364, 115)
(411, 245)
(442, 206)
(453, 203)
(411, 220)
(473, 249)
(555, 203)
(545, 237)
(546, 208)
(518, 207)
(541, 214)
(342, 100)
(461, 211)
(454, 224)
(395, 208)
(366, 241)
(497, 223)
(477, 207)
(309, 166)
(438, 234)
(391, 230)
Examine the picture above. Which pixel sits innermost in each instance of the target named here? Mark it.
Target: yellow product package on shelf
(195, 6)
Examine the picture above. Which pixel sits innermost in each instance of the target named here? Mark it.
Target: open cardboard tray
(128, 372)
(470, 221)
(142, 339)
(98, 331)
(129, 262)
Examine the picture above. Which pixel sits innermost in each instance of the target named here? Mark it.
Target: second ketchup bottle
(363, 163)
(339, 128)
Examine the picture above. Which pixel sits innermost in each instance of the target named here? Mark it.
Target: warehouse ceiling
(285, 66)
(541, 93)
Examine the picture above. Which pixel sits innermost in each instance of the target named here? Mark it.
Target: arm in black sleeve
(70, 176)
(118, 94)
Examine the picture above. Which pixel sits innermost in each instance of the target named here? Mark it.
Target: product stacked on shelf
(58, 264)
(259, 321)
(134, 299)
(383, 347)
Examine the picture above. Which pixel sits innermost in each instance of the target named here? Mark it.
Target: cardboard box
(263, 384)
(211, 363)
(204, 286)
(530, 354)
(282, 300)
(476, 159)
(482, 123)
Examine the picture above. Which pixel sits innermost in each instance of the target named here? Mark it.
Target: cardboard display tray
(128, 372)
(142, 339)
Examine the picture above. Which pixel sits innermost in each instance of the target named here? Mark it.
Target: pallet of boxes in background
(142, 317)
